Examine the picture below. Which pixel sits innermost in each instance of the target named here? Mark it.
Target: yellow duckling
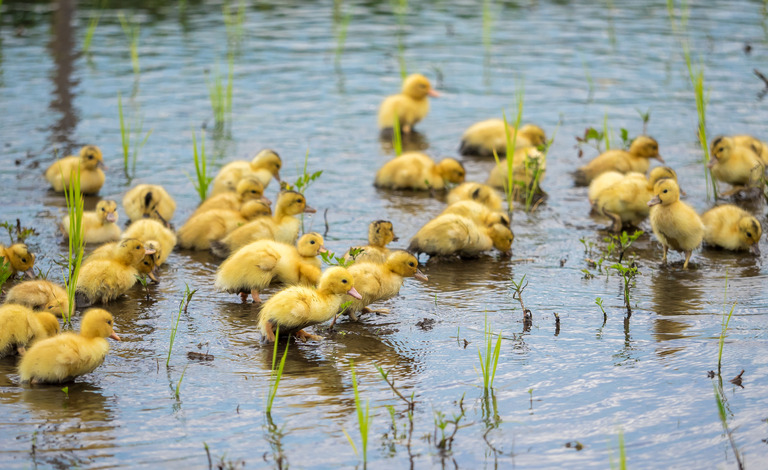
(19, 259)
(99, 226)
(202, 230)
(478, 213)
(68, 355)
(247, 189)
(756, 145)
(529, 165)
(40, 295)
(477, 192)
(410, 106)
(297, 307)
(735, 165)
(376, 282)
(674, 222)
(282, 227)
(732, 228)
(380, 234)
(482, 138)
(264, 166)
(451, 234)
(147, 266)
(149, 201)
(415, 170)
(20, 326)
(256, 265)
(150, 229)
(90, 162)
(608, 179)
(103, 280)
(636, 159)
(626, 202)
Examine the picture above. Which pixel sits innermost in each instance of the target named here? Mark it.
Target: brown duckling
(104, 280)
(477, 192)
(264, 166)
(451, 234)
(149, 201)
(483, 138)
(732, 228)
(675, 223)
(19, 258)
(98, 226)
(247, 189)
(151, 229)
(90, 162)
(738, 166)
(40, 295)
(202, 230)
(642, 149)
(20, 326)
(410, 106)
(380, 234)
(415, 170)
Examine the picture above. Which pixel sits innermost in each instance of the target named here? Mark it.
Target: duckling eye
(138, 247)
(312, 242)
(343, 281)
(665, 191)
(90, 157)
(253, 191)
(103, 209)
(749, 235)
(50, 307)
(109, 322)
(23, 260)
(410, 264)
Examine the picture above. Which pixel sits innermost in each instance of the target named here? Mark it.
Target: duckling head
(148, 264)
(381, 233)
(98, 323)
(720, 150)
(646, 147)
(338, 280)
(292, 203)
(268, 159)
(49, 323)
(417, 86)
(131, 252)
(249, 188)
(502, 237)
(666, 191)
(91, 157)
(750, 233)
(451, 170)
(56, 305)
(498, 218)
(255, 208)
(310, 245)
(20, 257)
(107, 210)
(405, 264)
(661, 172)
(534, 134)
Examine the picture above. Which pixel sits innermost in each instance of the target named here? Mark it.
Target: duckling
(247, 189)
(735, 165)
(201, 230)
(90, 162)
(297, 307)
(756, 145)
(415, 170)
(150, 229)
(20, 326)
(606, 180)
(674, 222)
(68, 355)
(149, 201)
(256, 265)
(282, 227)
(19, 259)
(482, 138)
(626, 202)
(380, 234)
(376, 282)
(478, 213)
(410, 106)
(39, 295)
(529, 165)
(636, 159)
(451, 234)
(98, 226)
(264, 166)
(477, 192)
(732, 228)
(103, 280)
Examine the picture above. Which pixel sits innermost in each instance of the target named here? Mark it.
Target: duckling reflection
(675, 293)
(485, 272)
(413, 142)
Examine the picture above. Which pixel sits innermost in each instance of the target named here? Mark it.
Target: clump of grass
(177, 391)
(628, 274)
(74, 199)
(489, 363)
(697, 81)
(132, 31)
(277, 372)
(724, 421)
(510, 152)
(397, 136)
(221, 94)
(445, 442)
(127, 132)
(201, 168)
(183, 304)
(92, 23)
(16, 232)
(724, 325)
(410, 402)
(233, 22)
(5, 272)
(363, 420)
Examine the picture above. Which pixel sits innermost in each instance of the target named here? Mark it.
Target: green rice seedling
(628, 274)
(590, 81)
(203, 180)
(401, 58)
(183, 304)
(306, 178)
(487, 26)
(233, 22)
(510, 151)
(599, 302)
(363, 420)
(697, 80)
(277, 372)
(92, 23)
(724, 325)
(341, 37)
(445, 442)
(132, 33)
(177, 391)
(722, 413)
(127, 132)
(489, 363)
(5, 272)
(397, 137)
(646, 117)
(76, 242)
(221, 94)
(606, 132)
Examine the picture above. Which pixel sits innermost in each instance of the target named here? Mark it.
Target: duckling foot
(687, 258)
(21, 350)
(615, 221)
(255, 295)
(381, 311)
(244, 296)
(304, 336)
(269, 333)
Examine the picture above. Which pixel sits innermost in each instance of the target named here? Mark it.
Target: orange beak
(309, 210)
(433, 93)
(654, 201)
(421, 276)
(114, 336)
(354, 293)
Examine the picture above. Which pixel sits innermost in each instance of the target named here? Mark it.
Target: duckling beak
(712, 162)
(310, 210)
(654, 201)
(153, 277)
(266, 200)
(112, 217)
(102, 166)
(322, 249)
(29, 273)
(433, 93)
(659, 158)
(277, 177)
(755, 249)
(354, 293)
(114, 336)
(395, 238)
(149, 251)
(421, 276)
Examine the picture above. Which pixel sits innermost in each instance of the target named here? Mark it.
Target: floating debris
(196, 356)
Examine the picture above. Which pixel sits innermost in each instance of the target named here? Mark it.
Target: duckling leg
(616, 221)
(269, 332)
(21, 350)
(255, 295)
(380, 311)
(733, 191)
(687, 257)
(304, 336)
(664, 259)
(244, 296)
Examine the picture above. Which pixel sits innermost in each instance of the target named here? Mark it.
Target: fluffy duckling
(20, 326)
(674, 222)
(147, 266)
(735, 165)
(149, 201)
(380, 234)
(451, 234)
(626, 202)
(376, 282)
(606, 180)
(247, 189)
(90, 162)
(478, 213)
(282, 227)
(482, 138)
(40, 295)
(264, 166)
(756, 145)
(103, 280)
(150, 229)
(415, 170)
(19, 258)
(477, 192)
(525, 162)
(98, 226)
(297, 307)
(68, 355)
(636, 159)
(732, 228)
(410, 106)
(256, 265)
(202, 230)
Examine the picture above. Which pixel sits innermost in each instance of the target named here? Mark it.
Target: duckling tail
(220, 248)
(468, 149)
(82, 300)
(580, 178)
(413, 247)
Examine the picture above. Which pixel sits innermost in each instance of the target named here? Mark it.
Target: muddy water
(645, 376)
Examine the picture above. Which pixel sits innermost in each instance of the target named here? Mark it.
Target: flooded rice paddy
(562, 395)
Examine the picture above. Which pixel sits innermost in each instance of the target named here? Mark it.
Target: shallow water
(645, 376)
